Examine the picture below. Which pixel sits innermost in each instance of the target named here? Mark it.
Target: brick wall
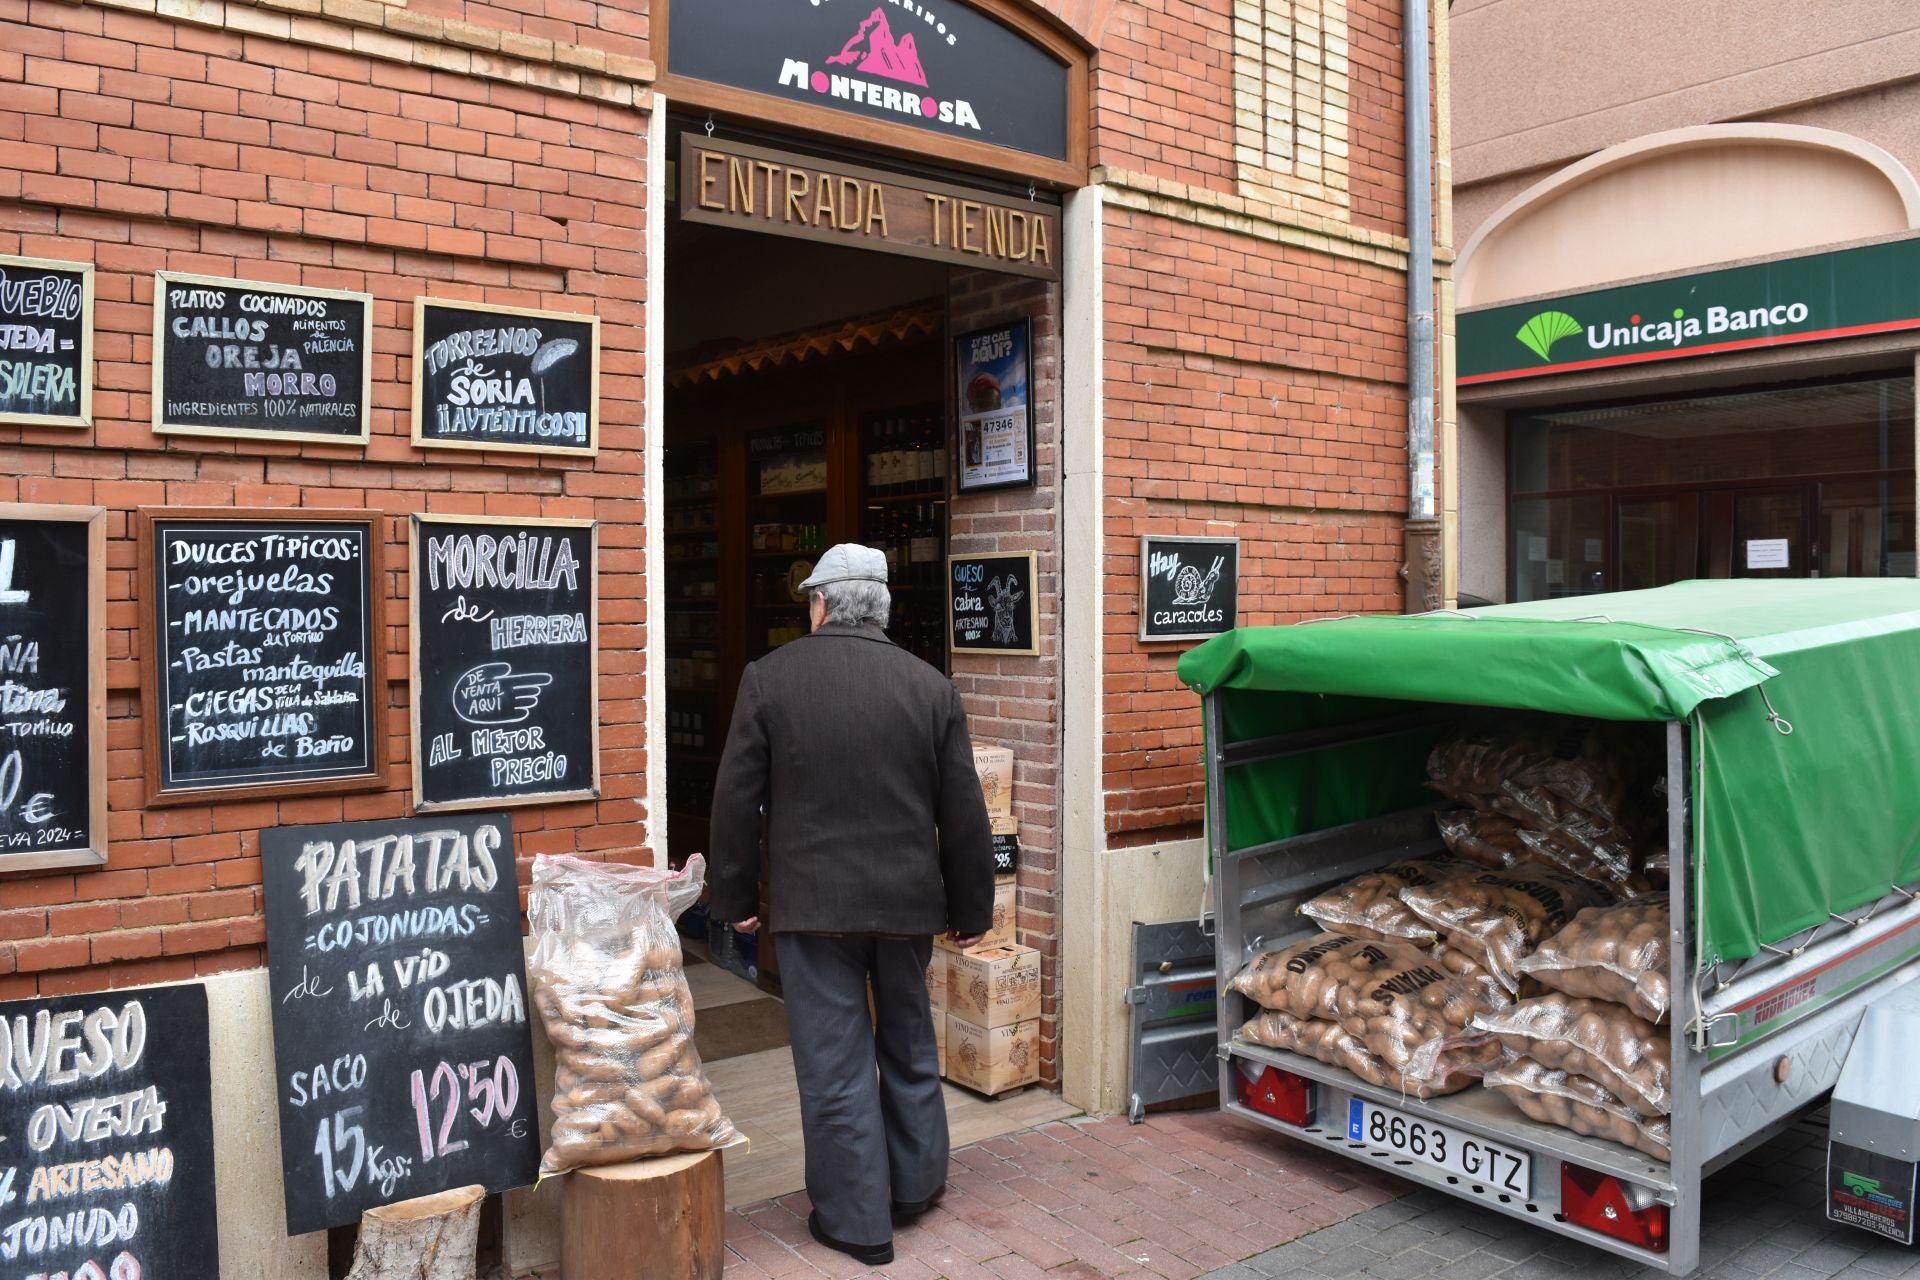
(141, 144)
(1014, 702)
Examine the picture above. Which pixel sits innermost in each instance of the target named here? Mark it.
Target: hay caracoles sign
(755, 188)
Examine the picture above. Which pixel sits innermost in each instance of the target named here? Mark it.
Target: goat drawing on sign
(1002, 596)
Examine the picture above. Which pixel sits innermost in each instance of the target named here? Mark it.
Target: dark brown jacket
(875, 821)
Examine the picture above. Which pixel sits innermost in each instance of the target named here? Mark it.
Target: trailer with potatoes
(1759, 742)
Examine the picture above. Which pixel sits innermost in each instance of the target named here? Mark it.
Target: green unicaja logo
(1540, 333)
(1860, 1184)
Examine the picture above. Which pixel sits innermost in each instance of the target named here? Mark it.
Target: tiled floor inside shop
(742, 1035)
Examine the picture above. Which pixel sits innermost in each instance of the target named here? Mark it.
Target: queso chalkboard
(488, 377)
(106, 1137)
(990, 604)
(505, 662)
(46, 342)
(1189, 587)
(265, 662)
(278, 361)
(53, 687)
(399, 996)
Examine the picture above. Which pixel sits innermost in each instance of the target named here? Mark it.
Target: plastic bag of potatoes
(1608, 1043)
(607, 980)
(1369, 906)
(1574, 1102)
(1418, 1019)
(1617, 953)
(1496, 917)
(1333, 1044)
(1306, 978)
(1486, 838)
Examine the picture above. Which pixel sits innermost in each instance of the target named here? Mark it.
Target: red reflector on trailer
(1277, 1093)
(1600, 1202)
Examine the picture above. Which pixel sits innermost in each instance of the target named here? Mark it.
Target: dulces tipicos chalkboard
(53, 678)
(505, 662)
(264, 657)
(46, 342)
(106, 1137)
(487, 377)
(402, 1051)
(242, 358)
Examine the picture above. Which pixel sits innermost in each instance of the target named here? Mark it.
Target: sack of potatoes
(1496, 917)
(607, 979)
(1333, 1044)
(1586, 1107)
(1418, 1019)
(1369, 906)
(1606, 1042)
(1304, 979)
(1618, 953)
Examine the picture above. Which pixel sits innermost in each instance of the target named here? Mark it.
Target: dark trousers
(870, 1103)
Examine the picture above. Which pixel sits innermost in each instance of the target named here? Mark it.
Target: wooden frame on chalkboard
(85, 417)
(358, 439)
(1146, 578)
(421, 441)
(1031, 605)
(95, 852)
(152, 653)
(414, 594)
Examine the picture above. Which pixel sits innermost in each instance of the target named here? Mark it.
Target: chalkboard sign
(506, 668)
(265, 659)
(487, 377)
(1189, 587)
(106, 1137)
(277, 361)
(46, 342)
(53, 687)
(990, 605)
(401, 1050)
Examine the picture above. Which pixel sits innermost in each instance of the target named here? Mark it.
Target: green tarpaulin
(1787, 827)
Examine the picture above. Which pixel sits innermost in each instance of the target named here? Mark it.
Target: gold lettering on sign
(797, 186)
(877, 212)
(707, 181)
(969, 210)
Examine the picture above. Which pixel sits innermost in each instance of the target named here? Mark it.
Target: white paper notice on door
(1767, 553)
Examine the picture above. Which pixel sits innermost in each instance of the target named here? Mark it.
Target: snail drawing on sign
(1189, 588)
(1002, 596)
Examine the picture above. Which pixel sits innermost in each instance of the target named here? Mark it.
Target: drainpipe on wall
(1424, 568)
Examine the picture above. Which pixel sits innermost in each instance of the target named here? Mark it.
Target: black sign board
(505, 662)
(400, 1041)
(937, 67)
(1189, 587)
(265, 653)
(106, 1137)
(489, 377)
(46, 342)
(1006, 854)
(53, 687)
(242, 358)
(1872, 1191)
(991, 605)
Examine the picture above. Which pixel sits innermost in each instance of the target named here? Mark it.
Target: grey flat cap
(848, 562)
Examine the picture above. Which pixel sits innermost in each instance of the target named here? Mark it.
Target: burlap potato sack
(1608, 1043)
(1618, 953)
(1584, 1106)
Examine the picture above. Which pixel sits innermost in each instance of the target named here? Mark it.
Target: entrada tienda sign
(1846, 293)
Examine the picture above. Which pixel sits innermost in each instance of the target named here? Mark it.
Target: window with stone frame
(1290, 86)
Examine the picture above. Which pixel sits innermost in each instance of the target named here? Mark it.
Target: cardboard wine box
(995, 767)
(992, 1060)
(994, 986)
(940, 1039)
(1002, 933)
(937, 984)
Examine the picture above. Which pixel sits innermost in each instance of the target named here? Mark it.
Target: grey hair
(856, 601)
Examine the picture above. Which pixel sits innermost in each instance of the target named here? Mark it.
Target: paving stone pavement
(1764, 1217)
(1174, 1198)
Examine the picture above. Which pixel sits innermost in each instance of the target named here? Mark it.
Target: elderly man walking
(877, 838)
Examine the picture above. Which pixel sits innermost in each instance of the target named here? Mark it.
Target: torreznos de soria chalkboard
(53, 687)
(487, 377)
(991, 604)
(106, 1137)
(46, 342)
(505, 662)
(400, 1036)
(242, 358)
(264, 655)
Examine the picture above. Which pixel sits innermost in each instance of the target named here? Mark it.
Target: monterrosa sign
(1846, 293)
(757, 189)
(937, 66)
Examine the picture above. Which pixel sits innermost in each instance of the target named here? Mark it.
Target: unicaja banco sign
(1850, 292)
(935, 66)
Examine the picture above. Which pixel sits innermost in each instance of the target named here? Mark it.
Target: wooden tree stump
(432, 1238)
(661, 1219)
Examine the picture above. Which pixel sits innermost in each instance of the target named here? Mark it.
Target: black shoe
(873, 1255)
(907, 1211)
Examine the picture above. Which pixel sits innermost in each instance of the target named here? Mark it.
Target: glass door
(1657, 540)
(1772, 533)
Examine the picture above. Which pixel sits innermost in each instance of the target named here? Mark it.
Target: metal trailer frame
(1756, 1045)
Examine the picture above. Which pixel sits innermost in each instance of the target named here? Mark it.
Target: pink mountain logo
(874, 51)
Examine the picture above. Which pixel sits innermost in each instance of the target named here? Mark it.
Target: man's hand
(750, 925)
(966, 941)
